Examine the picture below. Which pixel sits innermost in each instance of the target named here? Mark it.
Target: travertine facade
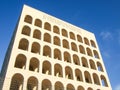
(46, 53)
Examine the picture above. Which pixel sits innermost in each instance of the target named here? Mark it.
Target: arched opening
(46, 68)
(26, 30)
(76, 59)
(92, 64)
(70, 87)
(65, 44)
(78, 75)
(56, 30)
(68, 73)
(46, 85)
(47, 26)
(99, 66)
(87, 77)
(32, 83)
(92, 43)
(58, 70)
(86, 41)
(84, 62)
(35, 48)
(47, 51)
(67, 57)
(64, 33)
(79, 38)
(57, 54)
(103, 80)
(38, 23)
(47, 37)
(81, 49)
(20, 61)
(74, 47)
(96, 55)
(96, 79)
(23, 44)
(80, 88)
(17, 82)
(59, 86)
(34, 65)
(89, 52)
(28, 19)
(72, 36)
(56, 40)
(37, 34)
(89, 88)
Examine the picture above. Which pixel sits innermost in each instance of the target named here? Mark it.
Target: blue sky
(102, 17)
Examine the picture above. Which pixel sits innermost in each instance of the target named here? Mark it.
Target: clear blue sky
(102, 17)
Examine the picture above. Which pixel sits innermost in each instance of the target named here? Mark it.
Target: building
(47, 53)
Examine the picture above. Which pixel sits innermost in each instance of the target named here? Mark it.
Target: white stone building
(47, 53)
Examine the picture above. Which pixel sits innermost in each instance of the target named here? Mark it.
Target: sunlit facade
(47, 53)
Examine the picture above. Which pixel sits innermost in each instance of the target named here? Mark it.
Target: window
(26, 30)
(84, 62)
(103, 80)
(47, 26)
(57, 54)
(65, 44)
(46, 68)
(68, 73)
(56, 30)
(96, 55)
(74, 47)
(56, 40)
(96, 79)
(47, 37)
(87, 77)
(46, 85)
(38, 23)
(86, 41)
(37, 34)
(67, 57)
(89, 52)
(72, 36)
(58, 70)
(28, 19)
(92, 43)
(81, 49)
(76, 60)
(35, 48)
(78, 75)
(47, 51)
(64, 33)
(79, 38)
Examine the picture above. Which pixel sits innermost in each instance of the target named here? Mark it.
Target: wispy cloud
(106, 35)
(117, 87)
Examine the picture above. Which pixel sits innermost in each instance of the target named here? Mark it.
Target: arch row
(33, 83)
(47, 26)
(24, 44)
(59, 71)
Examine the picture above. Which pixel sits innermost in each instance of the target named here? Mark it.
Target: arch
(65, 44)
(35, 48)
(86, 41)
(26, 30)
(20, 61)
(89, 52)
(58, 70)
(59, 86)
(46, 85)
(37, 34)
(80, 88)
(47, 37)
(46, 68)
(23, 44)
(96, 79)
(17, 82)
(76, 59)
(56, 40)
(46, 51)
(67, 57)
(68, 73)
(70, 87)
(99, 66)
(92, 43)
(47, 26)
(96, 55)
(57, 54)
(34, 65)
(32, 83)
(104, 81)
(72, 35)
(81, 49)
(64, 33)
(78, 75)
(89, 88)
(79, 38)
(92, 64)
(84, 62)
(74, 46)
(87, 77)
(28, 19)
(38, 23)
(56, 30)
